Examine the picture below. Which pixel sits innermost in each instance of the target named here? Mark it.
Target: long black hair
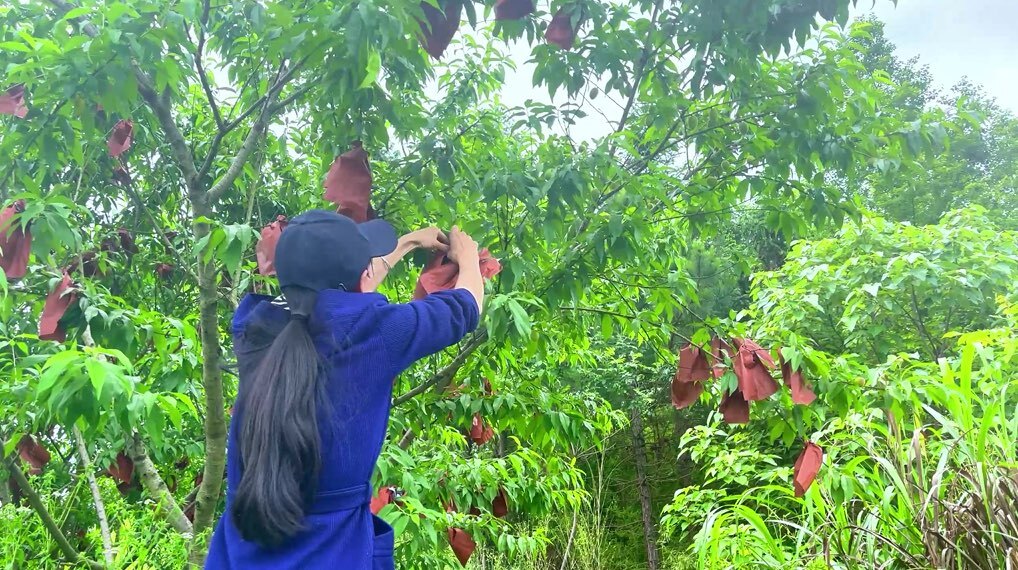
(279, 439)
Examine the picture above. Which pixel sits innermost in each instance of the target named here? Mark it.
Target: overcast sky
(956, 38)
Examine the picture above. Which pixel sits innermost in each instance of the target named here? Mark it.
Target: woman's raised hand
(431, 238)
(462, 248)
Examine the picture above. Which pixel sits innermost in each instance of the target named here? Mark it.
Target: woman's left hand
(431, 238)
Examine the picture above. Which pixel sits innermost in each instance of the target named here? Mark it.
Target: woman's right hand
(462, 248)
(463, 252)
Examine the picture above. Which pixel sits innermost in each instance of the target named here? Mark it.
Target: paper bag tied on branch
(441, 274)
(348, 184)
(15, 242)
(440, 26)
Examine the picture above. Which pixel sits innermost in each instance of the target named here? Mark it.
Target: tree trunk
(215, 414)
(153, 483)
(659, 440)
(86, 463)
(640, 453)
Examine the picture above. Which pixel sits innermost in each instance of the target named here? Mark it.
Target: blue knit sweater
(365, 343)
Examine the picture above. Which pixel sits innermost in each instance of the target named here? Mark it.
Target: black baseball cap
(320, 250)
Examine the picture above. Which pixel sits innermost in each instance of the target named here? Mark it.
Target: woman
(316, 369)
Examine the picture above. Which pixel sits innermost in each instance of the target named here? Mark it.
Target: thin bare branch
(403, 183)
(297, 94)
(254, 136)
(141, 205)
(641, 67)
(100, 508)
(203, 78)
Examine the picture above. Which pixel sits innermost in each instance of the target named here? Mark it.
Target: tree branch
(569, 542)
(206, 164)
(254, 136)
(921, 324)
(200, 68)
(166, 505)
(47, 520)
(403, 183)
(206, 9)
(638, 76)
(250, 142)
(100, 508)
(447, 372)
(139, 203)
(407, 439)
(178, 146)
(297, 94)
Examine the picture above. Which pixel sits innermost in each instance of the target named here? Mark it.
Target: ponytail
(279, 439)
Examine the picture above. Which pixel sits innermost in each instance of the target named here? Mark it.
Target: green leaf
(15, 46)
(169, 406)
(12, 442)
(76, 13)
(54, 369)
(520, 318)
(372, 70)
(607, 326)
(615, 225)
(97, 375)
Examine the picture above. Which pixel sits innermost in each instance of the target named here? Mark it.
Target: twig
(621, 316)
(129, 186)
(100, 508)
(638, 76)
(569, 542)
(407, 439)
(191, 498)
(203, 78)
(403, 183)
(297, 94)
(922, 324)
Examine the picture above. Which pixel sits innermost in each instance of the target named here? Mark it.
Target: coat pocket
(382, 558)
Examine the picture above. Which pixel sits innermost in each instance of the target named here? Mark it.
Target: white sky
(956, 38)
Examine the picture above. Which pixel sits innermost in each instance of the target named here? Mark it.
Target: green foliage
(880, 288)
(926, 487)
(977, 168)
(919, 460)
(142, 539)
(727, 462)
(745, 111)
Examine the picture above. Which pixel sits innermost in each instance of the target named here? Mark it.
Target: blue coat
(365, 343)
